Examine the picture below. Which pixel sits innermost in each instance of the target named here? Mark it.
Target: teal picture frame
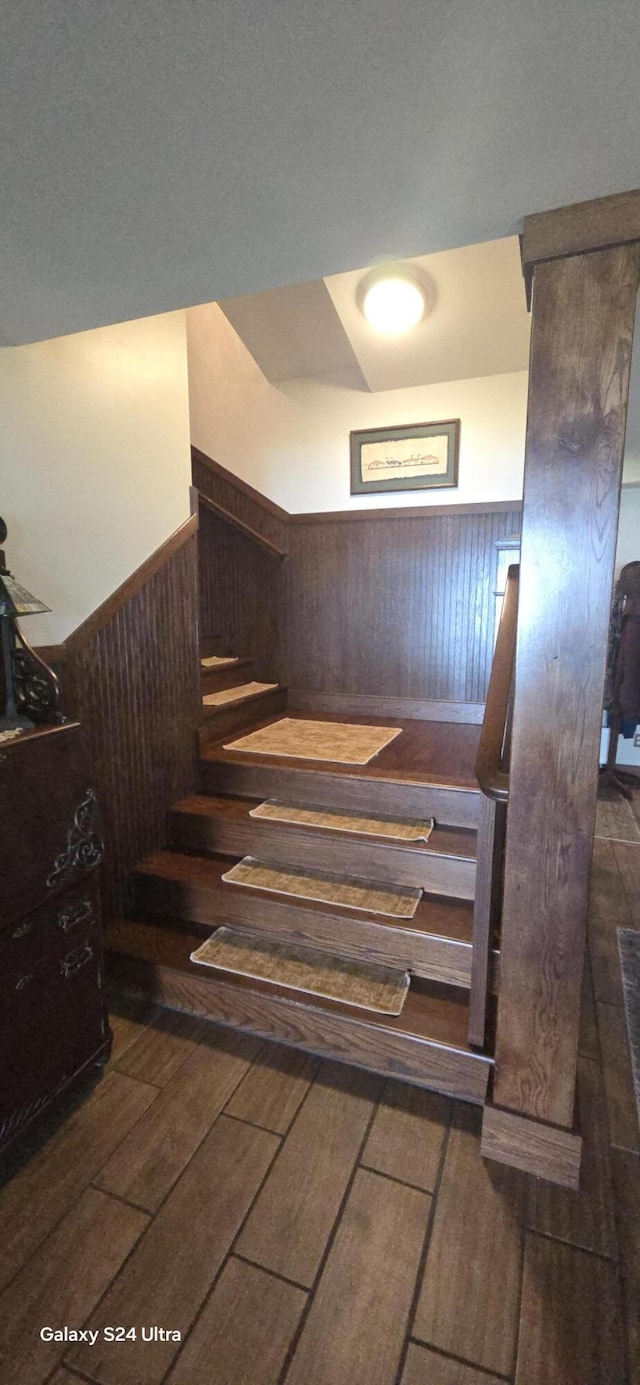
(384, 460)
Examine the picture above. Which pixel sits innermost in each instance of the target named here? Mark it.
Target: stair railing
(492, 773)
(492, 759)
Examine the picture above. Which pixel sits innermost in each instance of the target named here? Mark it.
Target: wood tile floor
(302, 1222)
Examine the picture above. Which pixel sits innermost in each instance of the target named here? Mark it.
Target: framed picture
(414, 457)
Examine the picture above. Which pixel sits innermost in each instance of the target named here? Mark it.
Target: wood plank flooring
(303, 1223)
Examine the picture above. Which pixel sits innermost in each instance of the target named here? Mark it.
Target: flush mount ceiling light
(393, 300)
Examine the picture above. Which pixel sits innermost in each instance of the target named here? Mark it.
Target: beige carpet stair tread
(219, 661)
(340, 742)
(179, 876)
(395, 901)
(366, 986)
(238, 694)
(432, 1013)
(399, 829)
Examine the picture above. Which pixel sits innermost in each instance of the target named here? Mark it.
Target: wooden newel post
(582, 332)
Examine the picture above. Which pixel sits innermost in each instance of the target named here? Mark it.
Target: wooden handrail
(130, 587)
(235, 523)
(490, 772)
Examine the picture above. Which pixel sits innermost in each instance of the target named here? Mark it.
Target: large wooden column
(582, 331)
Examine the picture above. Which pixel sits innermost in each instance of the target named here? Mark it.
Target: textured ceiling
(157, 154)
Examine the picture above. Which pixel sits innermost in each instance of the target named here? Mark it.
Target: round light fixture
(393, 302)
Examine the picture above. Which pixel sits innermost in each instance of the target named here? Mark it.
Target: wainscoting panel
(239, 594)
(133, 683)
(393, 606)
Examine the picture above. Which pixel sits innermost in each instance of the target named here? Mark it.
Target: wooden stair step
(426, 1044)
(226, 676)
(236, 692)
(220, 722)
(445, 864)
(435, 944)
(355, 788)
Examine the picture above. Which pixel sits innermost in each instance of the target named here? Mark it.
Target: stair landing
(428, 770)
(427, 752)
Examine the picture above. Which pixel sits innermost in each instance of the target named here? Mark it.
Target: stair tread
(435, 915)
(245, 692)
(223, 661)
(457, 842)
(432, 1013)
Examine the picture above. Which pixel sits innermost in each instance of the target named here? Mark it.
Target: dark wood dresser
(53, 1021)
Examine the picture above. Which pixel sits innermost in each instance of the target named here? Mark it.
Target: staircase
(231, 697)
(181, 897)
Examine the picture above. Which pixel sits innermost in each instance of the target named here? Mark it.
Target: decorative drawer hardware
(22, 929)
(84, 848)
(76, 960)
(52, 1008)
(74, 915)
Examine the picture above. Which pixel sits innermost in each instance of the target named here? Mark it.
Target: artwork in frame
(418, 456)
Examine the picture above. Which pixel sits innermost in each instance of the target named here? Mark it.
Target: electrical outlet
(636, 740)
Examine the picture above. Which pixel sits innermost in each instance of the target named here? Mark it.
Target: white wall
(628, 550)
(95, 464)
(291, 440)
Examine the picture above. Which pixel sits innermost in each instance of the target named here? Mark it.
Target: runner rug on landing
(400, 829)
(367, 986)
(341, 742)
(397, 901)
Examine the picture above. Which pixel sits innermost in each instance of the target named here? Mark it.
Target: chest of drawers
(53, 1022)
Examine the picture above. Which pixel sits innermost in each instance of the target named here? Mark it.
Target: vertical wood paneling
(134, 685)
(393, 607)
(239, 593)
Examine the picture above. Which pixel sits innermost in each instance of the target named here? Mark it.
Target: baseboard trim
(361, 704)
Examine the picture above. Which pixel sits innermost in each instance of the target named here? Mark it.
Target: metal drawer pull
(76, 960)
(75, 914)
(24, 981)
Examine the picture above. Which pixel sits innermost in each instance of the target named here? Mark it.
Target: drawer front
(39, 983)
(51, 929)
(43, 1053)
(51, 831)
